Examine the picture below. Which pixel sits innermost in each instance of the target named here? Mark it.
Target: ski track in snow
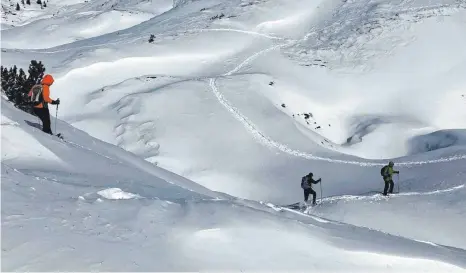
(241, 31)
(252, 128)
(376, 196)
(267, 141)
(431, 192)
(124, 41)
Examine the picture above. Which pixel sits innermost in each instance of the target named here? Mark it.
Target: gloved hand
(57, 101)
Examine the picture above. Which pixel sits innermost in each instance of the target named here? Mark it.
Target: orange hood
(48, 80)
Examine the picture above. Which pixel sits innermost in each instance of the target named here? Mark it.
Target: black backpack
(303, 180)
(383, 170)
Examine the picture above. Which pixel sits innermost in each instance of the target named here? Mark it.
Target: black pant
(44, 115)
(388, 183)
(306, 195)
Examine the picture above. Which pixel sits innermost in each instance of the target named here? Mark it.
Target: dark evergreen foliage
(16, 84)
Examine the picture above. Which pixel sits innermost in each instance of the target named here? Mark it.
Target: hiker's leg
(46, 121)
(306, 195)
(314, 195)
(385, 189)
(41, 114)
(391, 186)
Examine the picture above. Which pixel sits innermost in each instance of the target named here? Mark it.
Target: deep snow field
(179, 154)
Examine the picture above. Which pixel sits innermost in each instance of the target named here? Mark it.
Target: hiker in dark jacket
(306, 184)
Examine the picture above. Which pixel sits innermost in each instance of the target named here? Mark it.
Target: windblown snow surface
(179, 154)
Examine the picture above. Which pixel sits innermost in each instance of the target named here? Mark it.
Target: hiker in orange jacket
(42, 98)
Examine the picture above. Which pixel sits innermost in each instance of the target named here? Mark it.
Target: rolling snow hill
(240, 99)
(347, 91)
(82, 204)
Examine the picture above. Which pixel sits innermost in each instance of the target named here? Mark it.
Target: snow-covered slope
(82, 204)
(245, 97)
(340, 70)
(64, 22)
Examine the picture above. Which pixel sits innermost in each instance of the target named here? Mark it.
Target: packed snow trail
(267, 141)
(376, 194)
(124, 41)
(238, 31)
(252, 128)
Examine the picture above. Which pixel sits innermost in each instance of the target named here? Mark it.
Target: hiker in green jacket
(387, 173)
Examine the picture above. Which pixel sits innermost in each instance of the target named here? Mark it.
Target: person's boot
(47, 131)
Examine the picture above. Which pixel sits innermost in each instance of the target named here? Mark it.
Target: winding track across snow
(252, 128)
(124, 41)
(267, 141)
(373, 194)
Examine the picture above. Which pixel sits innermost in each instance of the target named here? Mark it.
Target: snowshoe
(60, 136)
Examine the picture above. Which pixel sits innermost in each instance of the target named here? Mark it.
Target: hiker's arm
(315, 181)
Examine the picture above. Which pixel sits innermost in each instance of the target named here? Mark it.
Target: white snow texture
(181, 154)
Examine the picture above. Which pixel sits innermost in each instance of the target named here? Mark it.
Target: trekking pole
(398, 184)
(56, 116)
(320, 191)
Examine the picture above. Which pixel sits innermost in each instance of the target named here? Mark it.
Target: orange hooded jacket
(47, 81)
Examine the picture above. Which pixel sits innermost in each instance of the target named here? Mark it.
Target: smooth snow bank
(7, 121)
(13, 147)
(54, 219)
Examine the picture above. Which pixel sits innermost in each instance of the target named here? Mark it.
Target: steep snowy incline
(82, 204)
(85, 157)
